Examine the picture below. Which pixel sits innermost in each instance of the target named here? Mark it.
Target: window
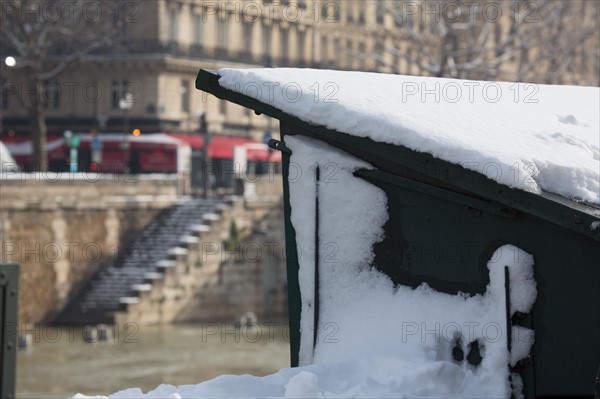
(498, 39)
(223, 107)
(247, 39)
(221, 33)
(362, 48)
(300, 47)
(409, 64)
(525, 54)
(283, 43)
(381, 11)
(198, 29)
(350, 12)
(422, 25)
(397, 63)
(114, 94)
(117, 91)
(173, 25)
(349, 57)
(330, 11)
(51, 95)
(185, 96)
(324, 49)
(120, 27)
(5, 87)
(266, 39)
(378, 46)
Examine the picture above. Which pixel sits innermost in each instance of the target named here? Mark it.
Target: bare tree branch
(46, 37)
(534, 40)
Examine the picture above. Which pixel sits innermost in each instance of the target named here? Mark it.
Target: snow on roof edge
(556, 127)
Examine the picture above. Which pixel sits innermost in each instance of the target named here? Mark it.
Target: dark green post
(294, 301)
(9, 297)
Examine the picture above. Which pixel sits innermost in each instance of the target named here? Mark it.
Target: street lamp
(72, 141)
(10, 61)
(125, 104)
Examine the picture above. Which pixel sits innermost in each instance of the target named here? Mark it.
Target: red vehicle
(146, 153)
(20, 149)
(150, 153)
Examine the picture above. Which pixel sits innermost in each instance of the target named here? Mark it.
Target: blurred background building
(156, 48)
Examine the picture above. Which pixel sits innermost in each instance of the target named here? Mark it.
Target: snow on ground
(531, 137)
(375, 339)
(7, 163)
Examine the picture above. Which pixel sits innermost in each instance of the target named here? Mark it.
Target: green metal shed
(9, 296)
(558, 232)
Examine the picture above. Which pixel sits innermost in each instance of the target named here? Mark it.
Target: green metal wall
(448, 245)
(9, 296)
(446, 237)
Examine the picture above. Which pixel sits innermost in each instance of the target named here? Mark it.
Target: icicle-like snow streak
(522, 294)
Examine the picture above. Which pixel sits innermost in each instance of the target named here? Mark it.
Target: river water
(60, 363)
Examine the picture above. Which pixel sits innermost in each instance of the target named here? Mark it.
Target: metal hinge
(279, 146)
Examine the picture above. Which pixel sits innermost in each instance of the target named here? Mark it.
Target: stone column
(112, 224)
(61, 263)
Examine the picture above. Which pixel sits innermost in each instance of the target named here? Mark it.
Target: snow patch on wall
(346, 242)
(362, 314)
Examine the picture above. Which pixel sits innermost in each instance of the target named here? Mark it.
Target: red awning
(222, 147)
(194, 140)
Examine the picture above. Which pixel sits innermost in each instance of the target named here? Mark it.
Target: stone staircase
(152, 280)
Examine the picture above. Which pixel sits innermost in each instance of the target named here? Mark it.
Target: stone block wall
(204, 281)
(62, 232)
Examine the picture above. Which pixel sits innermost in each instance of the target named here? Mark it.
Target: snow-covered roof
(526, 136)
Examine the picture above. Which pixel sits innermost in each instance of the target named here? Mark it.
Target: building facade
(164, 45)
(165, 42)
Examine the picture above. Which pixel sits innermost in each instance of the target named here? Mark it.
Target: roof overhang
(425, 168)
